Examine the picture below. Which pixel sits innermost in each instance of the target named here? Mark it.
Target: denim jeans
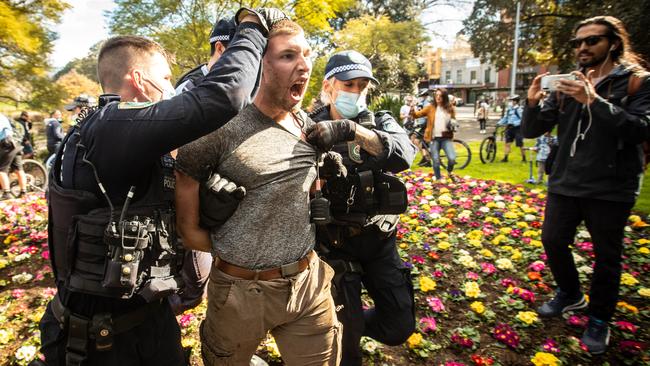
(446, 144)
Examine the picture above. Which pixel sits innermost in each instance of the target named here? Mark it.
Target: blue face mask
(349, 105)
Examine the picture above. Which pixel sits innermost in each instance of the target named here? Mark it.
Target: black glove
(267, 16)
(333, 166)
(218, 200)
(326, 134)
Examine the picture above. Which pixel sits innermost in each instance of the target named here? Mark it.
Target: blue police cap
(348, 65)
(223, 31)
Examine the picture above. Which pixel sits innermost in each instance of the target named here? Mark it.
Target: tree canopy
(546, 27)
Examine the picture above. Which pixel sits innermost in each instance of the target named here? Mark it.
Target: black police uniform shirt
(125, 141)
(398, 153)
(191, 78)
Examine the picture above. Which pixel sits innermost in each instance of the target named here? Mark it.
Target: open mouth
(297, 90)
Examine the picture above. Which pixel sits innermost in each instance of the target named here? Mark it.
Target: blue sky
(85, 24)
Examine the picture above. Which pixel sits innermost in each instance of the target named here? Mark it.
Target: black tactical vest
(113, 253)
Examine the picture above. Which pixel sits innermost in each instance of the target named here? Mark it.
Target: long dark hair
(623, 54)
(444, 95)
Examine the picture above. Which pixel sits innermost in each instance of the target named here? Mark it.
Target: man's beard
(594, 61)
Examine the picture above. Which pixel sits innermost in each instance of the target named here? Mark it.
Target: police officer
(360, 244)
(222, 32)
(111, 221)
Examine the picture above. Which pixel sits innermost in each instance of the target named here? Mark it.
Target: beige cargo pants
(298, 311)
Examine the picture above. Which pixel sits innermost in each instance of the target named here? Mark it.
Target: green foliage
(546, 27)
(25, 42)
(183, 27)
(391, 47)
(315, 81)
(388, 103)
(86, 66)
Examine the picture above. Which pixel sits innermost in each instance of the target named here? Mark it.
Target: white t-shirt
(404, 112)
(440, 124)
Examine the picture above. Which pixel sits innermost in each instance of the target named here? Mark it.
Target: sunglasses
(589, 41)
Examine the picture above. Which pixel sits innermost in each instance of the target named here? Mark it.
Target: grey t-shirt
(271, 226)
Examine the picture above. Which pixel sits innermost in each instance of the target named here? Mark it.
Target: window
(486, 78)
(472, 77)
(448, 76)
(459, 76)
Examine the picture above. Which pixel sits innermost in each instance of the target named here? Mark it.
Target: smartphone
(549, 82)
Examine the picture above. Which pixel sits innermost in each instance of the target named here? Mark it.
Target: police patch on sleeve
(354, 152)
(133, 105)
(389, 125)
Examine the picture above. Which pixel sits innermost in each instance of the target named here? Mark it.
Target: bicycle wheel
(463, 155)
(36, 175)
(488, 150)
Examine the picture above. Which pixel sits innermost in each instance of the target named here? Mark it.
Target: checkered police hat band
(220, 38)
(347, 67)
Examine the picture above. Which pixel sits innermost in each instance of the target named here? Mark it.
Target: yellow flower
(467, 261)
(486, 253)
(634, 218)
(536, 243)
(472, 289)
(628, 280)
(516, 198)
(505, 230)
(478, 307)
(545, 359)
(3, 263)
(498, 239)
(475, 235)
(491, 204)
(442, 236)
(444, 245)
(516, 255)
(475, 243)
(644, 250)
(414, 341)
(510, 215)
(427, 284)
(189, 342)
(643, 241)
(644, 291)
(628, 307)
(403, 245)
(522, 224)
(6, 336)
(527, 317)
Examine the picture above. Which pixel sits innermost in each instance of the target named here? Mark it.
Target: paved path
(469, 128)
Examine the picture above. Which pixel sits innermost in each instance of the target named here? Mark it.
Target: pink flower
(626, 326)
(438, 274)
(550, 345)
(45, 254)
(17, 293)
(632, 347)
(537, 266)
(524, 294)
(472, 276)
(578, 320)
(186, 319)
(507, 282)
(428, 324)
(462, 341)
(488, 268)
(435, 304)
(49, 291)
(585, 246)
(506, 335)
(417, 259)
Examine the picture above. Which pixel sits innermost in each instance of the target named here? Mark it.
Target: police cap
(223, 31)
(348, 65)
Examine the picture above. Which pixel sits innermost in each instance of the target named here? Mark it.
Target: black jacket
(398, 154)
(608, 162)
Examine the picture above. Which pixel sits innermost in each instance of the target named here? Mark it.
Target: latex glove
(333, 166)
(218, 201)
(267, 16)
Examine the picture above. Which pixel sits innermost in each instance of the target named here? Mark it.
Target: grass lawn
(514, 171)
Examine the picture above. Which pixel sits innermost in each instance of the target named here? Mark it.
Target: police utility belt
(366, 198)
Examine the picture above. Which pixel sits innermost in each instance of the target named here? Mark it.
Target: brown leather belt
(286, 270)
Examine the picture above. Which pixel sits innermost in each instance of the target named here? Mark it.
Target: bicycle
(463, 153)
(36, 176)
(488, 149)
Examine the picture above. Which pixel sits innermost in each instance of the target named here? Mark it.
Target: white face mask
(167, 92)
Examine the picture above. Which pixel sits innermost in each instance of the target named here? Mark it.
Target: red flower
(631, 347)
(482, 361)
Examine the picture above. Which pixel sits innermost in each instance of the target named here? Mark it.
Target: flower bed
(479, 273)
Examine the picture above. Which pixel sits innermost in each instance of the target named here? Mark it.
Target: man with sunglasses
(602, 118)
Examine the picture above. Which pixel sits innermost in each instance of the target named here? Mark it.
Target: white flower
(26, 353)
(22, 257)
(584, 234)
(484, 209)
(500, 204)
(577, 258)
(585, 269)
(434, 215)
(529, 217)
(476, 197)
(22, 278)
(497, 198)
